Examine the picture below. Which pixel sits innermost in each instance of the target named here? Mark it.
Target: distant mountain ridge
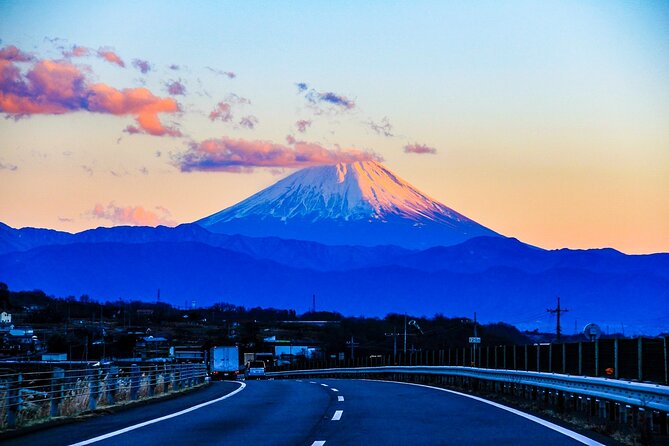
(361, 239)
(186, 271)
(360, 203)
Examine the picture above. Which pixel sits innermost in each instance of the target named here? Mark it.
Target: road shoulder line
(564, 431)
(159, 419)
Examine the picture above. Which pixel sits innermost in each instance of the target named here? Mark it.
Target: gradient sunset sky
(545, 121)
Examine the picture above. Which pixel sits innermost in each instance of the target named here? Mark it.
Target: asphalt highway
(310, 413)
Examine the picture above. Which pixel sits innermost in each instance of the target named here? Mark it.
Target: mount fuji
(360, 203)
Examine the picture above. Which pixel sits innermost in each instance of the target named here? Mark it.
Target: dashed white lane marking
(334, 390)
(312, 382)
(318, 443)
(157, 420)
(337, 415)
(298, 380)
(578, 437)
(340, 398)
(324, 385)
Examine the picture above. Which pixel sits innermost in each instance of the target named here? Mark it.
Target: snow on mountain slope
(357, 203)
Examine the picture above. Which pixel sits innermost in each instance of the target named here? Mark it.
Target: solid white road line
(334, 390)
(318, 443)
(337, 415)
(157, 420)
(340, 398)
(576, 436)
(324, 385)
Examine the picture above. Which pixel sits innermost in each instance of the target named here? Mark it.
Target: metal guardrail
(27, 397)
(646, 395)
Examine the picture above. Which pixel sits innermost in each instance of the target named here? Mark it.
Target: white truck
(224, 362)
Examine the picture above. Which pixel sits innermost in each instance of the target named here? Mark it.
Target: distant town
(35, 326)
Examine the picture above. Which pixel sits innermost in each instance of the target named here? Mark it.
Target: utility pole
(352, 343)
(475, 335)
(557, 311)
(394, 335)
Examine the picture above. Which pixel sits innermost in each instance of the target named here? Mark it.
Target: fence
(640, 359)
(44, 391)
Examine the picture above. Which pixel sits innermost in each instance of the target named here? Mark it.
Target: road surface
(310, 412)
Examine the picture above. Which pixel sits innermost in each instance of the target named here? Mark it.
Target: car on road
(255, 370)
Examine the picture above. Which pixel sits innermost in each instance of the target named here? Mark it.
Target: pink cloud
(77, 51)
(419, 149)
(58, 87)
(239, 155)
(110, 56)
(11, 53)
(222, 112)
(302, 125)
(132, 215)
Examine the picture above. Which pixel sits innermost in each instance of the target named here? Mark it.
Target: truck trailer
(224, 362)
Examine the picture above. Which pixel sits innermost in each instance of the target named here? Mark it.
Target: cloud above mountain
(132, 215)
(241, 155)
(420, 149)
(59, 87)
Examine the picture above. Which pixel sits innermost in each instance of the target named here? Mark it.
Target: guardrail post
(93, 385)
(602, 409)
(151, 380)
(13, 399)
(134, 381)
(112, 384)
(640, 357)
(56, 391)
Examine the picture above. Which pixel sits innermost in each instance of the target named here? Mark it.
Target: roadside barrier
(56, 391)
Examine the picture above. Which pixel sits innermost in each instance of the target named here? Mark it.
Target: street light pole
(405, 333)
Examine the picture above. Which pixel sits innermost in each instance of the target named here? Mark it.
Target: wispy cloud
(223, 110)
(228, 74)
(240, 155)
(77, 51)
(176, 88)
(335, 101)
(8, 166)
(110, 56)
(382, 128)
(419, 149)
(142, 65)
(58, 87)
(249, 122)
(132, 215)
(302, 125)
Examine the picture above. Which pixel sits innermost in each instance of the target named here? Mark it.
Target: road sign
(474, 340)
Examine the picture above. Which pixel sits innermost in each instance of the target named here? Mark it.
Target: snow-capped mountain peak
(312, 200)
